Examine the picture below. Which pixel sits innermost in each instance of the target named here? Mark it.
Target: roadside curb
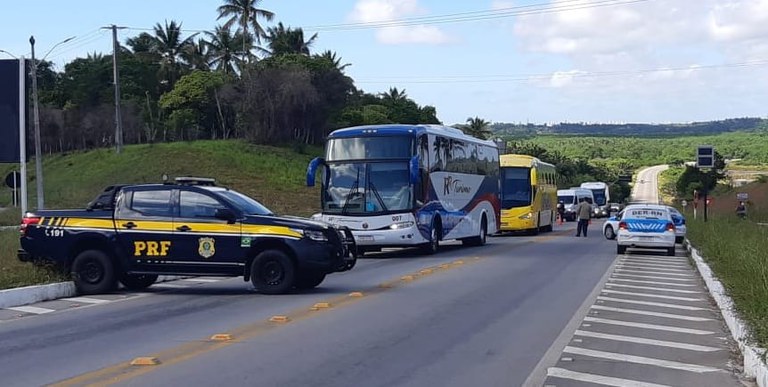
(754, 366)
(14, 297)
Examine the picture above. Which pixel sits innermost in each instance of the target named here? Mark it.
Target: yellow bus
(528, 194)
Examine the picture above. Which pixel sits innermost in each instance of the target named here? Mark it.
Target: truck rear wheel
(93, 272)
(272, 272)
(138, 281)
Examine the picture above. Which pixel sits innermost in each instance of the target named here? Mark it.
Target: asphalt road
(646, 186)
(481, 316)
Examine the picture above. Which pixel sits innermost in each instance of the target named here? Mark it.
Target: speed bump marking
(321, 305)
(145, 361)
(221, 337)
(279, 319)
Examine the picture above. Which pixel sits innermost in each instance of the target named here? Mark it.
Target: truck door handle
(129, 225)
(183, 228)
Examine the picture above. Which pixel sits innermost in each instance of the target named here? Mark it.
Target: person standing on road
(583, 211)
(741, 210)
(561, 211)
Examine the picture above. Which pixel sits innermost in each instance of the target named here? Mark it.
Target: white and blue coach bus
(409, 185)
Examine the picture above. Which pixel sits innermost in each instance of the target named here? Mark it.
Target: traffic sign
(705, 156)
(13, 180)
(684, 203)
(742, 196)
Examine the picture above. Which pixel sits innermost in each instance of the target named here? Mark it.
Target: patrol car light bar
(195, 180)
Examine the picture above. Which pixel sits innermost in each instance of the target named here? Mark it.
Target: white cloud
(373, 11)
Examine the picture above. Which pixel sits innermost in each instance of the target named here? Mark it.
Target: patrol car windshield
(364, 188)
(244, 203)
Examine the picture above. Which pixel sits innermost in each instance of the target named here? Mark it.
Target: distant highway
(646, 187)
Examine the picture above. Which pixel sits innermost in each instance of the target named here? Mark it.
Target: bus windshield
(364, 188)
(367, 148)
(599, 195)
(515, 187)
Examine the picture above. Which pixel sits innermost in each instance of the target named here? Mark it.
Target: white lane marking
(651, 295)
(641, 360)
(652, 277)
(650, 303)
(86, 300)
(642, 340)
(31, 309)
(648, 313)
(563, 373)
(655, 259)
(649, 282)
(654, 288)
(200, 280)
(652, 272)
(169, 286)
(648, 326)
(651, 261)
(654, 267)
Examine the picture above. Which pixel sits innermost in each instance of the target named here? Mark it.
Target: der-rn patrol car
(133, 233)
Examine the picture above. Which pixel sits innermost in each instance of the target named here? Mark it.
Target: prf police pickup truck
(133, 233)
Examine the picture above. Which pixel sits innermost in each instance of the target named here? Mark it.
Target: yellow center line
(124, 371)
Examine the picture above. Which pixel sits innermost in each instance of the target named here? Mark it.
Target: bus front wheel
(434, 240)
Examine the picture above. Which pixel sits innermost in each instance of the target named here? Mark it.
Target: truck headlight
(314, 235)
(401, 225)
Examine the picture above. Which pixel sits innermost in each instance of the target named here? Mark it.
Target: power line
(545, 76)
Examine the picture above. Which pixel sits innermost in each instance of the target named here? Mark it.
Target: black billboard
(9, 111)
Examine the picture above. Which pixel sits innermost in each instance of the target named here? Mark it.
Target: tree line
(242, 79)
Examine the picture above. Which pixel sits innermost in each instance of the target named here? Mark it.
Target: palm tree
(170, 45)
(394, 96)
(331, 56)
(224, 49)
(197, 55)
(477, 127)
(281, 40)
(246, 15)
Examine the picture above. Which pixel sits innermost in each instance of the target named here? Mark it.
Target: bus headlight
(315, 235)
(401, 225)
(525, 216)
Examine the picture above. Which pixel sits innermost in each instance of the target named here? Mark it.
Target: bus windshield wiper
(378, 197)
(355, 189)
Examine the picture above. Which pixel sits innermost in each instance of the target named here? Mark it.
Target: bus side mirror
(312, 170)
(414, 169)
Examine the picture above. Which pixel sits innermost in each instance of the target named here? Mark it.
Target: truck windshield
(515, 187)
(246, 204)
(364, 188)
(367, 148)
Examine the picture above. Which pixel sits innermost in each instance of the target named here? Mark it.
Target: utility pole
(36, 118)
(118, 115)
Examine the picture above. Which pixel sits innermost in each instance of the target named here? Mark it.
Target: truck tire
(309, 280)
(138, 281)
(272, 272)
(93, 272)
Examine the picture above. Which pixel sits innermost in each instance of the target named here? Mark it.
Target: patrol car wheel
(138, 281)
(609, 234)
(272, 272)
(93, 272)
(309, 280)
(671, 251)
(621, 249)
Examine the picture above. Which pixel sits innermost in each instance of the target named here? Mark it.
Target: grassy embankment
(274, 176)
(735, 250)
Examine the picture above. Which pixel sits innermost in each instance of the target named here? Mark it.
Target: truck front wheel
(93, 272)
(272, 272)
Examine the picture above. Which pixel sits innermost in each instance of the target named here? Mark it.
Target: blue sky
(568, 60)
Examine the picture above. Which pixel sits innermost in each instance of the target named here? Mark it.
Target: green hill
(274, 176)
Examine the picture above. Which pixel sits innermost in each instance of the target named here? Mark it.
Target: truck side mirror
(225, 214)
(312, 170)
(414, 169)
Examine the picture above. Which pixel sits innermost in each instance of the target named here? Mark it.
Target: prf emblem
(207, 247)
